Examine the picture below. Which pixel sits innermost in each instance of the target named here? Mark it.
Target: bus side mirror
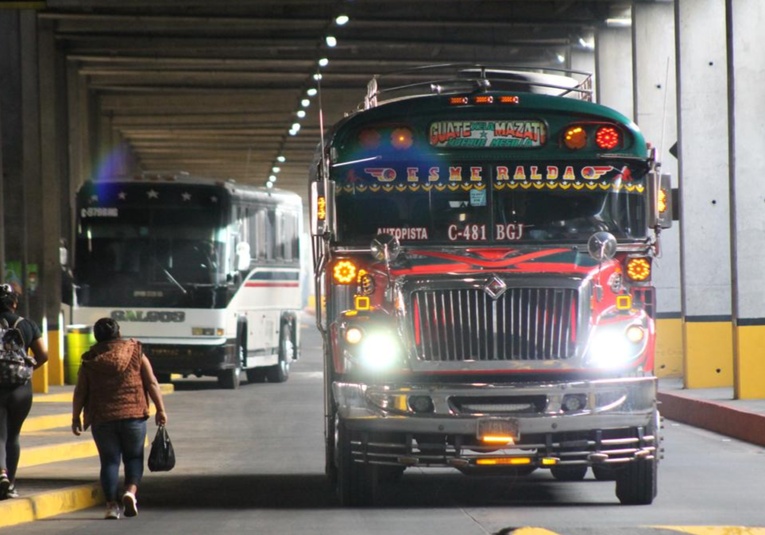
(321, 208)
(659, 200)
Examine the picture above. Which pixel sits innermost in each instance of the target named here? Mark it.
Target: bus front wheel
(229, 379)
(279, 373)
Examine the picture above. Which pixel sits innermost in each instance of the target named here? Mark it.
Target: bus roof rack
(452, 78)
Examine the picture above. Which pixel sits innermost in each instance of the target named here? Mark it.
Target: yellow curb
(64, 397)
(48, 504)
(716, 530)
(34, 424)
(37, 455)
(43, 423)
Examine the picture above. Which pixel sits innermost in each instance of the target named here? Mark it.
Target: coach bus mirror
(385, 248)
(243, 256)
(602, 246)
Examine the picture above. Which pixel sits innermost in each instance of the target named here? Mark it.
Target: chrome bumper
(609, 404)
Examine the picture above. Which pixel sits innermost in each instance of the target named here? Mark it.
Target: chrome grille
(521, 324)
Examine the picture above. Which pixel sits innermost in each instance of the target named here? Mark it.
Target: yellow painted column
(749, 348)
(40, 380)
(708, 353)
(55, 358)
(669, 347)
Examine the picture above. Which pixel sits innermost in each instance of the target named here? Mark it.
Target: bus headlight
(374, 350)
(379, 351)
(616, 346)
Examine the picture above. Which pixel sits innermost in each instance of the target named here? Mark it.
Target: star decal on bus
(186, 196)
(152, 194)
(122, 195)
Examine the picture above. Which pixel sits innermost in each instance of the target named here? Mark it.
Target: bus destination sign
(517, 134)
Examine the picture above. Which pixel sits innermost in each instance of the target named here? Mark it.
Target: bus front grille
(533, 324)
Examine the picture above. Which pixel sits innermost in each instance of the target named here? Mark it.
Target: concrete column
(613, 69)
(746, 59)
(583, 59)
(11, 117)
(653, 48)
(704, 196)
(53, 166)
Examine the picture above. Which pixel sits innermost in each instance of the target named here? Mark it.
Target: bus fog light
(421, 404)
(574, 402)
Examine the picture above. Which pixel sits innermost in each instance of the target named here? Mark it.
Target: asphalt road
(252, 461)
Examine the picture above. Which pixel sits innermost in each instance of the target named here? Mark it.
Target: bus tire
(356, 482)
(229, 379)
(636, 482)
(280, 372)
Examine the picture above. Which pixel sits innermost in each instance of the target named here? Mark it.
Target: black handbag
(162, 454)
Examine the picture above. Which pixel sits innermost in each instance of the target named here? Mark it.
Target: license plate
(497, 427)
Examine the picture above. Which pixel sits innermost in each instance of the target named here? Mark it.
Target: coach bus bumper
(190, 359)
(606, 421)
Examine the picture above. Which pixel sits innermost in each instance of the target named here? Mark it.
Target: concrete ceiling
(214, 87)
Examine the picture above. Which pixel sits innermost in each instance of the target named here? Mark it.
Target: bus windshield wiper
(172, 279)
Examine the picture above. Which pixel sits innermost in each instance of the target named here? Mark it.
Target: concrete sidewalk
(58, 472)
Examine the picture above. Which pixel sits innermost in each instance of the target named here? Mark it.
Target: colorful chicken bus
(205, 273)
(483, 242)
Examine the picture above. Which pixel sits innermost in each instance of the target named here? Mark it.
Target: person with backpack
(114, 385)
(15, 396)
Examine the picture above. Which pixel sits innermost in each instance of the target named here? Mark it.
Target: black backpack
(16, 366)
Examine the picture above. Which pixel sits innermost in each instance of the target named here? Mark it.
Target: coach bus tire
(229, 379)
(279, 373)
(569, 473)
(636, 482)
(356, 482)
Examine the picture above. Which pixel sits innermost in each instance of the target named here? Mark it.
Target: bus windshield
(481, 203)
(163, 256)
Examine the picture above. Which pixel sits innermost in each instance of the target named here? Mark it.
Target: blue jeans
(115, 440)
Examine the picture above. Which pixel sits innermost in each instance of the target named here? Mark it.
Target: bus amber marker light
(638, 269)
(344, 272)
(321, 208)
(662, 201)
(575, 138)
(401, 138)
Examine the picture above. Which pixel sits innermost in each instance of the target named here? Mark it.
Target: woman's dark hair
(8, 298)
(106, 329)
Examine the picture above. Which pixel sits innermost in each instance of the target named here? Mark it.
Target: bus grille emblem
(495, 287)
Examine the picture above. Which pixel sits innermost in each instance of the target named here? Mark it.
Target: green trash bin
(79, 338)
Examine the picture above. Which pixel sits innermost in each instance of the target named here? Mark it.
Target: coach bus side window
(286, 235)
(264, 233)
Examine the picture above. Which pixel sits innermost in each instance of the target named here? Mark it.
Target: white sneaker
(112, 511)
(130, 503)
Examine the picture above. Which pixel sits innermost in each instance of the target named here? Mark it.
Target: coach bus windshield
(144, 256)
(469, 203)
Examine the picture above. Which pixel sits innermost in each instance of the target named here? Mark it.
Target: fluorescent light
(323, 62)
(331, 41)
(342, 20)
(281, 159)
(301, 113)
(305, 102)
(311, 92)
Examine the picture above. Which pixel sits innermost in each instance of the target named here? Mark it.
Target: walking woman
(113, 386)
(15, 401)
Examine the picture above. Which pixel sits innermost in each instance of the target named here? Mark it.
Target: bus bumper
(587, 422)
(191, 359)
